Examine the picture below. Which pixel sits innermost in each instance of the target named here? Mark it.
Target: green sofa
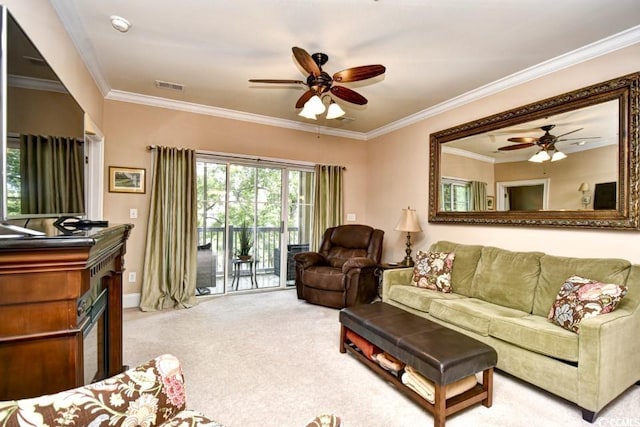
(503, 298)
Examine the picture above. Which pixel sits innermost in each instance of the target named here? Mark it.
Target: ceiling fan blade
(276, 81)
(568, 133)
(523, 139)
(359, 73)
(578, 139)
(304, 98)
(516, 147)
(348, 95)
(306, 61)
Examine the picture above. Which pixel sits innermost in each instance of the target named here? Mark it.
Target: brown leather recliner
(342, 272)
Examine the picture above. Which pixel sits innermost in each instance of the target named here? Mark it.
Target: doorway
(252, 218)
(527, 195)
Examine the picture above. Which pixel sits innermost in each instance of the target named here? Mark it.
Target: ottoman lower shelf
(479, 393)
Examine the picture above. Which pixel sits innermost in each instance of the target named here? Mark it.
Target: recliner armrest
(308, 259)
(357, 262)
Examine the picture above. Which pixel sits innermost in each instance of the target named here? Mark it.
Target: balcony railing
(266, 240)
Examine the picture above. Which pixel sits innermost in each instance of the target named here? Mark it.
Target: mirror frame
(626, 89)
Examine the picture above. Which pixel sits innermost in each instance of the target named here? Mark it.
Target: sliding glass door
(244, 210)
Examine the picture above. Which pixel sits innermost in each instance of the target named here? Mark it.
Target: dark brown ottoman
(440, 354)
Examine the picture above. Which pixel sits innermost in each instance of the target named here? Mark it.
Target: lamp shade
(540, 157)
(558, 155)
(307, 114)
(334, 111)
(408, 221)
(314, 105)
(584, 187)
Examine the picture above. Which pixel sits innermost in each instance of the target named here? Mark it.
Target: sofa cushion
(554, 270)
(507, 278)
(433, 270)
(324, 277)
(581, 298)
(418, 298)
(536, 333)
(464, 267)
(470, 313)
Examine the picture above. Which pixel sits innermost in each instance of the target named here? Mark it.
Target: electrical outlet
(132, 277)
(133, 213)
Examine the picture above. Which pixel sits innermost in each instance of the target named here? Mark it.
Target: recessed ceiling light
(120, 24)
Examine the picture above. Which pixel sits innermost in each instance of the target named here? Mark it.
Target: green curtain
(51, 174)
(171, 248)
(328, 201)
(478, 196)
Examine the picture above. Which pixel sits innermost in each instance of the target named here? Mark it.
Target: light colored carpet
(270, 360)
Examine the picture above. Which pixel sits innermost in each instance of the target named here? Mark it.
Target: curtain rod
(247, 157)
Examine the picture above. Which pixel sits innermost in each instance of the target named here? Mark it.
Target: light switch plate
(132, 277)
(133, 213)
(351, 217)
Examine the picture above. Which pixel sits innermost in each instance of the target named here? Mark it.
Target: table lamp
(409, 223)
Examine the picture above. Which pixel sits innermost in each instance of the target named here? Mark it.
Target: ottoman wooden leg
(343, 333)
(440, 405)
(487, 385)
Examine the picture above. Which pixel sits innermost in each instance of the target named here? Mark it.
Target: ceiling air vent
(168, 85)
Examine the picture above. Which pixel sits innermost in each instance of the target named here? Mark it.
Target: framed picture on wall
(491, 203)
(126, 180)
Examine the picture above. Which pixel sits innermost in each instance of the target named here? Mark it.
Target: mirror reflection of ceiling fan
(546, 143)
(319, 82)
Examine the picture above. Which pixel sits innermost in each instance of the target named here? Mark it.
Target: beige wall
(399, 162)
(40, 21)
(29, 112)
(565, 176)
(129, 128)
(465, 168)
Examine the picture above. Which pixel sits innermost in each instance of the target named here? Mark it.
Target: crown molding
(69, 18)
(469, 154)
(35, 84)
(607, 45)
(190, 107)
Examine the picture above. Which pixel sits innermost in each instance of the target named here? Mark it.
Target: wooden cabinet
(60, 311)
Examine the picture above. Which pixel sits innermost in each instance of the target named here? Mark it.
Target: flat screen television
(42, 157)
(605, 196)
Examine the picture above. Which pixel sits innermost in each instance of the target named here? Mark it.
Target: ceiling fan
(320, 82)
(546, 142)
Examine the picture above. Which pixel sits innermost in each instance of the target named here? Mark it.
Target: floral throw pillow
(581, 298)
(433, 270)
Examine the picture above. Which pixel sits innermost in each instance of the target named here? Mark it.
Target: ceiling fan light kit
(319, 82)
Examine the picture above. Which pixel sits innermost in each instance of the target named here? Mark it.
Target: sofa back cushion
(632, 300)
(507, 278)
(555, 270)
(464, 265)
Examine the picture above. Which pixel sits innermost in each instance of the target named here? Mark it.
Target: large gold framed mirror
(567, 161)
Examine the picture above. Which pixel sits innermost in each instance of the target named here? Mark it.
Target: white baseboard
(130, 300)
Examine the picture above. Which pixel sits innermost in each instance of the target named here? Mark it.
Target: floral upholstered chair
(151, 394)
